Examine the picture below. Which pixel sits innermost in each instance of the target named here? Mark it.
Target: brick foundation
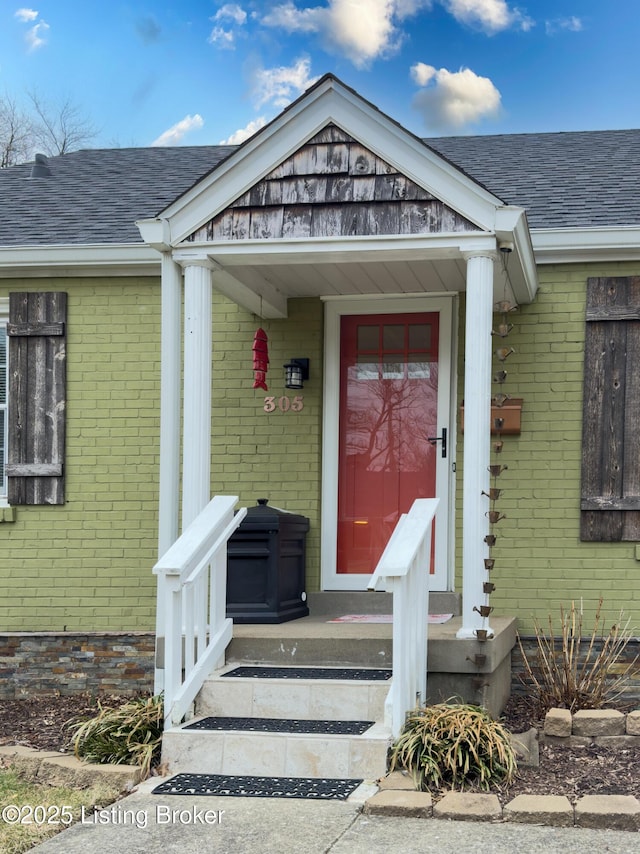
(33, 663)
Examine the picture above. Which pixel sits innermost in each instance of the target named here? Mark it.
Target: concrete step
(305, 699)
(311, 643)
(277, 754)
(478, 672)
(339, 602)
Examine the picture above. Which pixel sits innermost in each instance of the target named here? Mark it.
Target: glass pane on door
(388, 410)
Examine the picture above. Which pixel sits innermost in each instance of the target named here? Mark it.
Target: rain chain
(498, 400)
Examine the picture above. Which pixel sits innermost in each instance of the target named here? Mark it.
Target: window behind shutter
(610, 502)
(37, 397)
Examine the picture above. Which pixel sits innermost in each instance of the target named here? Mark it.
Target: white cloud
(281, 85)
(26, 15)
(422, 74)
(453, 99)
(361, 30)
(290, 18)
(37, 36)
(406, 8)
(233, 14)
(572, 24)
(244, 133)
(492, 16)
(275, 86)
(175, 134)
(221, 37)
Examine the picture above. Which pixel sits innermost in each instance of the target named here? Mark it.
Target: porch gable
(332, 186)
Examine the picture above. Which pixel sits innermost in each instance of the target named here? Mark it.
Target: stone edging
(398, 797)
(588, 726)
(51, 768)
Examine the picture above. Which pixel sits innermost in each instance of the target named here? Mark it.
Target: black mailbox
(266, 567)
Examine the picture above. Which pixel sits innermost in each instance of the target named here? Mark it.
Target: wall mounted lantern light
(296, 371)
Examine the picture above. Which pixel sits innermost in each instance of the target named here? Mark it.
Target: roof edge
(576, 245)
(121, 259)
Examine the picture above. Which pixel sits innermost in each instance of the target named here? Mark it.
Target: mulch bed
(41, 723)
(572, 771)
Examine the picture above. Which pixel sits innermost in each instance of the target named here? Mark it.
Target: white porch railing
(192, 629)
(404, 566)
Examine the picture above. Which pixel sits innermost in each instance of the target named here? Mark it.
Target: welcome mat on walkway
(257, 787)
(385, 618)
(365, 674)
(281, 725)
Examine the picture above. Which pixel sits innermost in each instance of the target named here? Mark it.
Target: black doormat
(282, 725)
(355, 673)
(257, 787)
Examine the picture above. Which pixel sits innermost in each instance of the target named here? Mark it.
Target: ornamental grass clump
(130, 734)
(573, 672)
(454, 746)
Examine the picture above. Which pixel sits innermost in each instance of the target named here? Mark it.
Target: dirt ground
(40, 722)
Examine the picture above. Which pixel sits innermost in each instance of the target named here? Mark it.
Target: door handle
(433, 440)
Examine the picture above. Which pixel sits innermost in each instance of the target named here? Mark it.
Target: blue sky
(199, 72)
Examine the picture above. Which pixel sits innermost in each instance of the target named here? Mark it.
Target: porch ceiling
(262, 278)
(353, 278)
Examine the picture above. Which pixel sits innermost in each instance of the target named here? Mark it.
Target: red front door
(388, 411)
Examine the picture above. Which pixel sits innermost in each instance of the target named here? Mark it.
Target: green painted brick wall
(540, 562)
(87, 564)
(275, 455)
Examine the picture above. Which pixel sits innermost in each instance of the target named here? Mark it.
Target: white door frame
(445, 480)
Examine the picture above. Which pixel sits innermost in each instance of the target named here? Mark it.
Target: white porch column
(196, 436)
(170, 370)
(477, 439)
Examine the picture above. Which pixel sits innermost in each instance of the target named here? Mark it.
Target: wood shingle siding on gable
(610, 501)
(37, 397)
(332, 187)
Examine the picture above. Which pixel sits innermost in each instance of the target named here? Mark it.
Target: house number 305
(284, 403)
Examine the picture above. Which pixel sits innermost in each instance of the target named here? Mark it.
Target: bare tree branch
(16, 133)
(59, 129)
(43, 127)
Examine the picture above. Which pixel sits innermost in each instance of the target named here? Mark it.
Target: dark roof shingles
(574, 179)
(96, 196)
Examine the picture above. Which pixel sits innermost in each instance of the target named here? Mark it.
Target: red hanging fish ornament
(260, 359)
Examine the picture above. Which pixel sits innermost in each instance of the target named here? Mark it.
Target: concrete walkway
(144, 823)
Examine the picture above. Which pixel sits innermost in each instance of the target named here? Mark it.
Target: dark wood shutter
(610, 501)
(37, 397)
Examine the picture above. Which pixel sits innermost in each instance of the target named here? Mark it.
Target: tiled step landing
(289, 752)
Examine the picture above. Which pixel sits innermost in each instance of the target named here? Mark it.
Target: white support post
(196, 436)
(169, 501)
(170, 371)
(477, 439)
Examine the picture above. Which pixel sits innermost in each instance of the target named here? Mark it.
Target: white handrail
(404, 565)
(192, 629)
